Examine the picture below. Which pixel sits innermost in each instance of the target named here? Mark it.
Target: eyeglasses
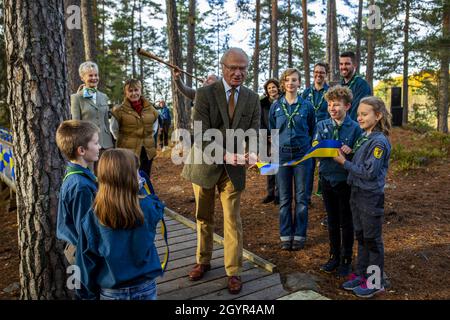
(319, 72)
(235, 68)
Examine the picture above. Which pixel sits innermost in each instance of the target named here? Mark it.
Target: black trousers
(146, 164)
(164, 138)
(340, 225)
(272, 188)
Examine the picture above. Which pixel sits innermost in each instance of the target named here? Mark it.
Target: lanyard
(336, 128)
(352, 82)
(291, 116)
(163, 232)
(359, 142)
(71, 170)
(311, 98)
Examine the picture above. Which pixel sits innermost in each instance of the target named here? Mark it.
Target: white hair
(87, 66)
(233, 50)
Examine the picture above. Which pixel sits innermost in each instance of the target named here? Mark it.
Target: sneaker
(285, 245)
(353, 282)
(324, 222)
(298, 245)
(345, 268)
(331, 265)
(363, 292)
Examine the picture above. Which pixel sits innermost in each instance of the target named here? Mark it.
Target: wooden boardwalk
(260, 280)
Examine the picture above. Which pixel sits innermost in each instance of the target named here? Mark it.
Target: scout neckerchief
(72, 170)
(150, 191)
(311, 98)
(291, 116)
(352, 82)
(88, 93)
(359, 142)
(336, 128)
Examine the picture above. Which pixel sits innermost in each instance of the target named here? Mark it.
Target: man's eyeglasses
(319, 72)
(236, 68)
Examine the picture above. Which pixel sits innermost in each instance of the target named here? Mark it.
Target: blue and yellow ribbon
(324, 149)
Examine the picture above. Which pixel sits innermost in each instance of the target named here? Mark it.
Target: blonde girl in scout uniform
(367, 175)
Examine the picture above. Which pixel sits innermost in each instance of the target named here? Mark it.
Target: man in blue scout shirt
(315, 94)
(360, 88)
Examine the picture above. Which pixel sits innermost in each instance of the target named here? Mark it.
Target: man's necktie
(231, 103)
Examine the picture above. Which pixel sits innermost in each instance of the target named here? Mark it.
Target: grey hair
(85, 66)
(233, 50)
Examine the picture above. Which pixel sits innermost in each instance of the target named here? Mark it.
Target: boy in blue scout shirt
(117, 256)
(367, 175)
(333, 178)
(294, 117)
(78, 141)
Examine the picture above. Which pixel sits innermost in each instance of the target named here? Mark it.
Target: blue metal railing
(7, 164)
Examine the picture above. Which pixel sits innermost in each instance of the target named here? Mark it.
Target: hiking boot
(353, 282)
(331, 265)
(298, 245)
(345, 268)
(364, 292)
(276, 201)
(285, 245)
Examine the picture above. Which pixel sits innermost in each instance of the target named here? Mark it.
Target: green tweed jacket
(211, 108)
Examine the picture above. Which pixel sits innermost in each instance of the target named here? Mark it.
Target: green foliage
(430, 146)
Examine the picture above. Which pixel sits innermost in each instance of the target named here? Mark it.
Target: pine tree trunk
(133, 29)
(141, 37)
(289, 35)
(191, 42)
(358, 36)
(256, 52)
(274, 39)
(88, 30)
(443, 74)
(305, 44)
(38, 100)
(406, 63)
(74, 49)
(370, 53)
(332, 41)
(179, 109)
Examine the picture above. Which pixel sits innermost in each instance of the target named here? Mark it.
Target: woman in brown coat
(134, 124)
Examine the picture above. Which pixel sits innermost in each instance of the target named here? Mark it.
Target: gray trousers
(368, 215)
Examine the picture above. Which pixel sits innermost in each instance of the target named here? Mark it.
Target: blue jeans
(143, 291)
(293, 227)
(310, 180)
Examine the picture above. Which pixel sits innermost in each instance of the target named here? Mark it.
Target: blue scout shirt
(165, 114)
(75, 199)
(317, 99)
(348, 133)
(360, 89)
(119, 258)
(369, 166)
(295, 135)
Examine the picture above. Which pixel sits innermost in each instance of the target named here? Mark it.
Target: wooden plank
(172, 228)
(247, 254)
(189, 252)
(184, 282)
(184, 271)
(190, 260)
(170, 222)
(174, 240)
(198, 291)
(248, 287)
(268, 293)
(179, 246)
(177, 233)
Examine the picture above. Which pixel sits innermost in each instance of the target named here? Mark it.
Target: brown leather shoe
(234, 284)
(198, 271)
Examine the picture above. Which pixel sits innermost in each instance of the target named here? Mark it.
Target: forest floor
(416, 230)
